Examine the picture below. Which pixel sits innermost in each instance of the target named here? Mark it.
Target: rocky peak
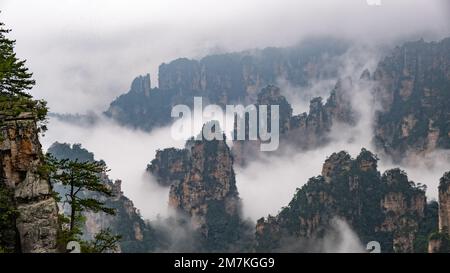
(335, 164)
(317, 116)
(395, 177)
(367, 161)
(117, 188)
(169, 166)
(203, 188)
(412, 87)
(271, 95)
(386, 208)
(404, 207)
(210, 179)
(339, 106)
(316, 124)
(141, 84)
(306, 130)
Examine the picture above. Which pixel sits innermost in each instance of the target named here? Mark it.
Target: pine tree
(15, 81)
(80, 178)
(103, 241)
(15, 78)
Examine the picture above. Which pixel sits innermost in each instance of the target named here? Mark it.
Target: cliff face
(404, 208)
(36, 225)
(209, 178)
(208, 195)
(444, 204)
(224, 79)
(386, 208)
(413, 90)
(203, 189)
(439, 240)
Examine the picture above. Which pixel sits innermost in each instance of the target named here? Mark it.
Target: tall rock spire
(21, 161)
(444, 204)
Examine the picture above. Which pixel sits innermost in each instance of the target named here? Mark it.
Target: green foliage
(104, 241)
(428, 101)
(161, 165)
(124, 222)
(444, 239)
(7, 211)
(67, 233)
(8, 215)
(444, 182)
(95, 206)
(222, 227)
(353, 190)
(438, 236)
(14, 76)
(428, 226)
(14, 105)
(79, 176)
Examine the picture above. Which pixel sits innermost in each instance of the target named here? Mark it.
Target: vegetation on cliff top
(15, 81)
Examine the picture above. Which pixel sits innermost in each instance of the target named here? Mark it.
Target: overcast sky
(86, 52)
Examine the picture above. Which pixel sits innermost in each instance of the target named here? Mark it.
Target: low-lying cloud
(339, 238)
(126, 152)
